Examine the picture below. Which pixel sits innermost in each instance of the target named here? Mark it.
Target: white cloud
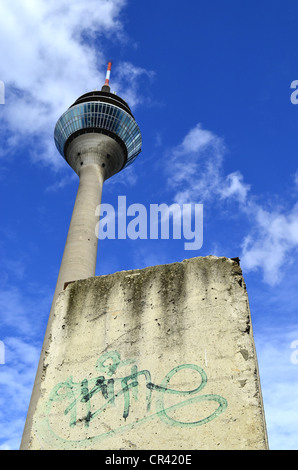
(51, 54)
(272, 242)
(128, 177)
(197, 164)
(128, 82)
(63, 182)
(235, 187)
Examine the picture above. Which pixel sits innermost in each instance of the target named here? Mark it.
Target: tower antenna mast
(106, 86)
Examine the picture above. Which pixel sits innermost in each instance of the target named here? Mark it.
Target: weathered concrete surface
(159, 358)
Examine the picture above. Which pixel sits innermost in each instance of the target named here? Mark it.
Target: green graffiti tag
(111, 388)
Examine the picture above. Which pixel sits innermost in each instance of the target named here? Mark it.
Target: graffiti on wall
(86, 403)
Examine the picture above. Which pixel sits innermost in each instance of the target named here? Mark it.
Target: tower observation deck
(100, 112)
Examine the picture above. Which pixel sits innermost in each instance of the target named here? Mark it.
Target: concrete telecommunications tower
(98, 137)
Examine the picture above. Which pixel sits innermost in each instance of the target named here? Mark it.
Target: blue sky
(209, 85)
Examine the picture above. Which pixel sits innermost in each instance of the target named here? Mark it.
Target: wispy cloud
(195, 170)
(62, 183)
(121, 179)
(197, 164)
(129, 79)
(272, 242)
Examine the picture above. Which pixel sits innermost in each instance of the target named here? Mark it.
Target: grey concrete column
(79, 257)
(94, 157)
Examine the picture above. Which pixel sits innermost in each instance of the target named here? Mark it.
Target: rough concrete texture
(159, 358)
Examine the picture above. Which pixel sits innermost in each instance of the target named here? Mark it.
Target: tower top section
(100, 112)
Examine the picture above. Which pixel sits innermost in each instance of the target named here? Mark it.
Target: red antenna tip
(108, 73)
(106, 86)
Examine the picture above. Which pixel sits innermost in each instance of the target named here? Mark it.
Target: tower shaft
(79, 257)
(94, 157)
